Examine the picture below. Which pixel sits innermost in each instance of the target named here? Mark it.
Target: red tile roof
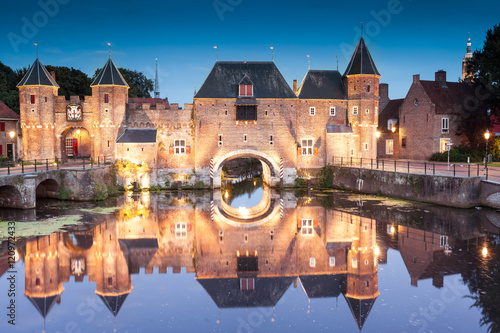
(7, 113)
(447, 100)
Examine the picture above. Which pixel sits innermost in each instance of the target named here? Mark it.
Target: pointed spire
(468, 54)
(109, 45)
(361, 61)
(37, 75)
(36, 48)
(157, 82)
(109, 76)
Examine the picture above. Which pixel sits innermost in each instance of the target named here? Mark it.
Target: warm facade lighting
(377, 250)
(485, 252)
(393, 230)
(393, 129)
(12, 134)
(377, 134)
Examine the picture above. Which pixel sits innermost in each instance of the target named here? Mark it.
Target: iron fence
(414, 167)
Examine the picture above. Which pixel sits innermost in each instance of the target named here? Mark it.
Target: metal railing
(457, 169)
(8, 167)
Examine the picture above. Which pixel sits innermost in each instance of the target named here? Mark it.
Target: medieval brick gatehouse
(244, 109)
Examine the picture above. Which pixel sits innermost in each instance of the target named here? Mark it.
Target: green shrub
(300, 182)
(325, 176)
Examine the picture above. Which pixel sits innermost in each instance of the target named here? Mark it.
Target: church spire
(157, 82)
(467, 58)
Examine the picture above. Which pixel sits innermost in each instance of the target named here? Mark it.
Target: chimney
(53, 74)
(383, 95)
(295, 86)
(441, 77)
(416, 78)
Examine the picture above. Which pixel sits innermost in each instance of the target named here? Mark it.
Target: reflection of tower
(42, 284)
(113, 283)
(362, 282)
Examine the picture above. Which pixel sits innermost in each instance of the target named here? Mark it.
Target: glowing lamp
(377, 134)
(485, 251)
(487, 135)
(12, 134)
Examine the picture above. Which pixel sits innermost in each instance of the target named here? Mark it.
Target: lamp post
(12, 134)
(377, 135)
(487, 137)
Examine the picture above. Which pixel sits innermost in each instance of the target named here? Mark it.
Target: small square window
(354, 110)
(332, 111)
(307, 147)
(246, 90)
(181, 230)
(445, 125)
(179, 147)
(312, 111)
(307, 227)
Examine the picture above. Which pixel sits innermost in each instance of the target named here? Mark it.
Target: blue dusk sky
(405, 37)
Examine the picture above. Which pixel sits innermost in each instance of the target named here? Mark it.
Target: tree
(485, 68)
(72, 82)
(8, 91)
(140, 85)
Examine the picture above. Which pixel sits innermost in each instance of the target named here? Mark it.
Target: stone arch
(10, 197)
(79, 241)
(48, 188)
(83, 143)
(270, 168)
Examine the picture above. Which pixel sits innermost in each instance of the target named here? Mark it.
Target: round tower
(37, 97)
(361, 80)
(109, 100)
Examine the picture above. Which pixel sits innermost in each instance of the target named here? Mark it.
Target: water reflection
(331, 253)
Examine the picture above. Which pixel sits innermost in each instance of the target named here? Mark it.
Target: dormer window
(246, 90)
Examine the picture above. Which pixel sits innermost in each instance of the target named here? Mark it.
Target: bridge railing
(8, 167)
(414, 167)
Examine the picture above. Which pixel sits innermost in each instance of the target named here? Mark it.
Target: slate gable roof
(138, 136)
(391, 111)
(361, 61)
(7, 113)
(322, 84)
(223, 80)
(43, 304)
(319, 286)
(37, 75)
(114, 303)
(449, 99)
(109, 75)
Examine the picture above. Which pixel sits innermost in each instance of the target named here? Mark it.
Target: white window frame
(179, 146)
(445, 125)
(332, 111)
(443, 241)
(244, 284)
(391, 123)
(180, 230)
(354, 263)
(312, 262)
(389, 147)
(312, 111)
(245, 90)
(331, 261)
(307, 227)
(307, 146)
(354, 110)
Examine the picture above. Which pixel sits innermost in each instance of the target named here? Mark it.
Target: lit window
(389, 147)
(307, 147)
(246, 90)
(332, 261)
(179, 147)
(443, 145)
(247, 284)
(391, 123)
(332, 111)
(312, 111)
(354, 110)
(181, 230)
(354, 263)
(312, 262)
(445, 125)
(307, 227)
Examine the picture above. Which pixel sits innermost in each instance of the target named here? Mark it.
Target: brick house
(9, 130)
(429, 117)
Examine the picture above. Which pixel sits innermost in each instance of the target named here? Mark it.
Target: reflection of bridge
(21, 190)
(238, 264)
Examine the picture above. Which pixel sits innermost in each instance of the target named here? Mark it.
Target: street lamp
(487, 137)
(12, 134)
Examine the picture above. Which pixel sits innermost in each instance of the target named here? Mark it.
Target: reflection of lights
(16, 256)
(243, 211)
(226, 195)
(377, 250)
(392, 229)
(485, 252)
(254, 183)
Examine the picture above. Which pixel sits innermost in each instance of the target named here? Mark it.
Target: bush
(459, 154)
(300, 182)
(325, 176)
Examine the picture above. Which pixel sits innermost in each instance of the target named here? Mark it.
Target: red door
(75, 147)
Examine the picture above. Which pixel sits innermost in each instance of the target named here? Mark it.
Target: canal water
(317, 262)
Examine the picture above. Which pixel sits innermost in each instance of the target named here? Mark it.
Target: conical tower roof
(38, 75)
(361, 61)
(109, 76)
(114, 303)
(360, 309)
(43, 304)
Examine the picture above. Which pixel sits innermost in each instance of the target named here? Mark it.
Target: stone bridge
(22, 190)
